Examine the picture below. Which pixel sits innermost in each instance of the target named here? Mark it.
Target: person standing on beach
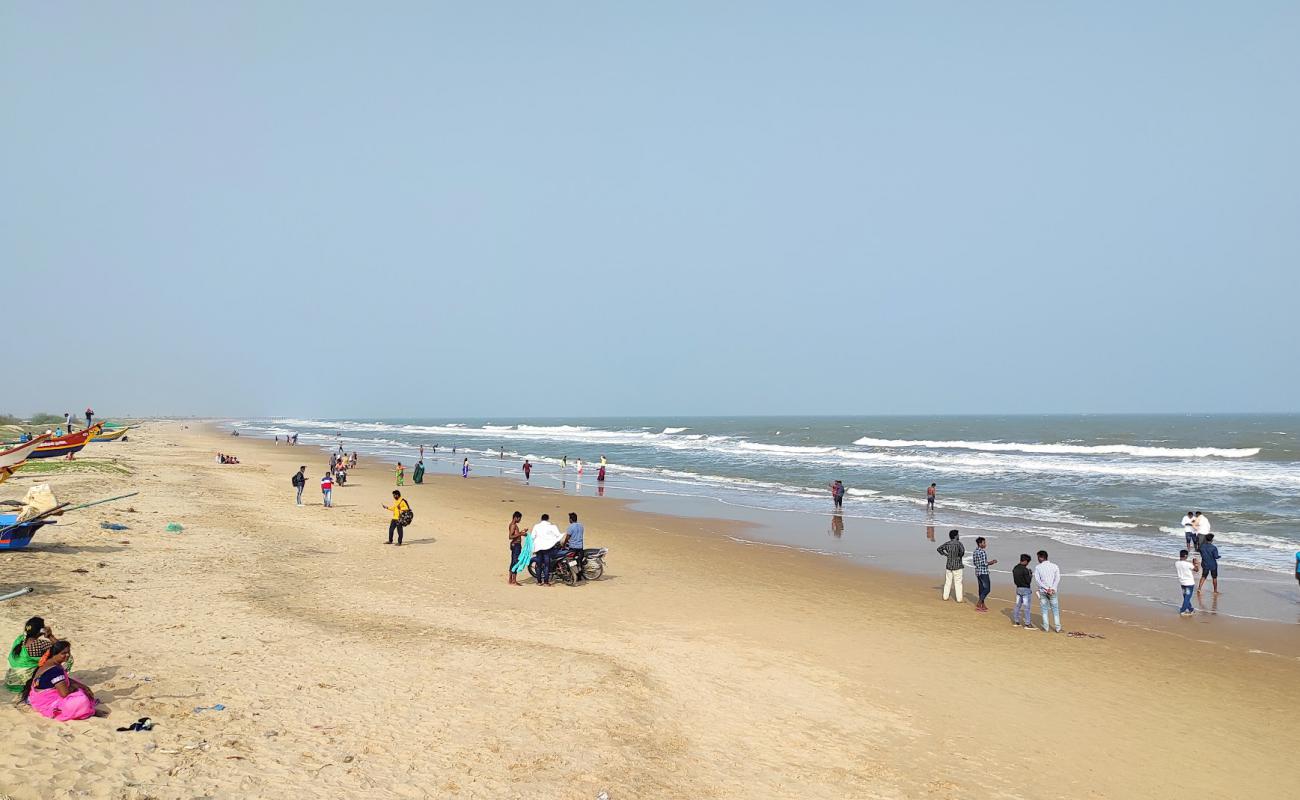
(954, 551)
(1201, 527)
(600, 474)
(421, 452)
(528, 470)
(399, 505)
(1209, 562)
(981, 561)
(90, 415)
(1048, 576)
(299, 481)
(546, 541)
(564, 462)
(67, 422)
(516, 535)
(1189, 531)
(580, 468)
(327, 489)
(837, 495)
(401, 474)
(464, 469)
(929, 496)
(1186, 581)
(418, 475)
(1023, 577)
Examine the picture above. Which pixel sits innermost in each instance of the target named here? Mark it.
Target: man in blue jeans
(1022, 576)
(1186, 581)
(1048, 576)
(299, 481)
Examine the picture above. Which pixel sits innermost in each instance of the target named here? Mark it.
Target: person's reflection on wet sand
(929, 532)
(600, 490)
(837, 525)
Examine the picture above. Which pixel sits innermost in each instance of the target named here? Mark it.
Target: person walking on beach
(837, 495)
(399, 507)
(327, 489)
(400, 471)
(954, 551)
(516, 535)
(528, 470)
(1186, 581)
(299, 481)
(1048, 576)
(464, 469)
(1209, 562)
(1189, 531)
(1023, 577)
(929, 496)
(981, 561)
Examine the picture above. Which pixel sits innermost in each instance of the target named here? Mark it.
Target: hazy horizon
(579, 210)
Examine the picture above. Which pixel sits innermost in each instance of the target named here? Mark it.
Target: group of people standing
(543, 542)
(1045, 574)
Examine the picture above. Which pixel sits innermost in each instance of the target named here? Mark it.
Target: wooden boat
(14, 457)
(17, 535)
(68, 444)
(110, 436)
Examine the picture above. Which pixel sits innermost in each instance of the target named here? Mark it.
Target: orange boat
(68, 444)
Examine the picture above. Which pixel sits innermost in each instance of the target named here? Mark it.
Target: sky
(578, 209)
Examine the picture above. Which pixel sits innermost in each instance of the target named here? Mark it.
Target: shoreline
(892, 552)
(698, 667)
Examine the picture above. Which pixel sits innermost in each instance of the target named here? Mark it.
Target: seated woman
(25, 655)
(54, 693)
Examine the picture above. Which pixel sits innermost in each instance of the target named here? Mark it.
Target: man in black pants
(399, 505)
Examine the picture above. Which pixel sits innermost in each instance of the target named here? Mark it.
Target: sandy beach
(699, 667)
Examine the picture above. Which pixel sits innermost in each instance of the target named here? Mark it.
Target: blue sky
(612, 208)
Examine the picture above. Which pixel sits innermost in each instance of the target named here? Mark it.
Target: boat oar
(63, 508)
(97, 502)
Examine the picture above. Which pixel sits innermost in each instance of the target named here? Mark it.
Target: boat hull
(67, 445)
(111, 436)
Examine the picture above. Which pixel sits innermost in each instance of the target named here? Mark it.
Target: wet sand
(699, 667)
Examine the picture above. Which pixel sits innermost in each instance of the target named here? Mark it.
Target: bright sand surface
(698, 667)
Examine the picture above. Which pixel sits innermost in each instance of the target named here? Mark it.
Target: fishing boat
(68, 444)
(14, 457)
(16, 535)
(110, 435)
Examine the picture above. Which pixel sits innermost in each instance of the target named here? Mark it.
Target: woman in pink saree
(56, 694)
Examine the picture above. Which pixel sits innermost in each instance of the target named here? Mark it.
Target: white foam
(1065, 449)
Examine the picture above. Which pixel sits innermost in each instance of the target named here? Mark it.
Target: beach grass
(83, 465)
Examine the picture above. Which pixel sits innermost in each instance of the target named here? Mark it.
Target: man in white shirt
(1201, 524)
(1186, 581)
(1189, 530)
(545, 539)
(1048, 577)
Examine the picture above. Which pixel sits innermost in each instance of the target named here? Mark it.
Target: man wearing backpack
(402, 517)
(299, 481)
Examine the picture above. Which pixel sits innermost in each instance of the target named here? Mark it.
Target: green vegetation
(59, 466)
(9, 419)
(45, 418)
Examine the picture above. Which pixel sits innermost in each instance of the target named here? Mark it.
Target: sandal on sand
(142, 724)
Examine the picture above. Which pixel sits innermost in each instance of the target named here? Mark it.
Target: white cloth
(1184, 568)
(1048, 575)
(545, 536)
(1202, 525)
(1189, 524)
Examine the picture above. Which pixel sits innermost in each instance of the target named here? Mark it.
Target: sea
(1118, 483)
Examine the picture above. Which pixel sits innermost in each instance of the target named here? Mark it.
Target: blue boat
(15, 535)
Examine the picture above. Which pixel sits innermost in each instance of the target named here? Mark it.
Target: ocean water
(1117, 483)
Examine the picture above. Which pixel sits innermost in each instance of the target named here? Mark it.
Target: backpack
(406, 516)
(297, 480)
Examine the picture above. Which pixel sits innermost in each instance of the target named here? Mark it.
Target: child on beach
(1023, 577)
(1186, 581)
(327, 489)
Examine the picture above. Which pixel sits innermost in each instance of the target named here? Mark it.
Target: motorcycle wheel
(565, 574)
(593, 569)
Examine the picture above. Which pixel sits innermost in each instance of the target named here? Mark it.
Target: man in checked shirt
(954, 551)
(981, 561)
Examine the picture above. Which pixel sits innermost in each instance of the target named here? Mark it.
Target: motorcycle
(568, 565)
